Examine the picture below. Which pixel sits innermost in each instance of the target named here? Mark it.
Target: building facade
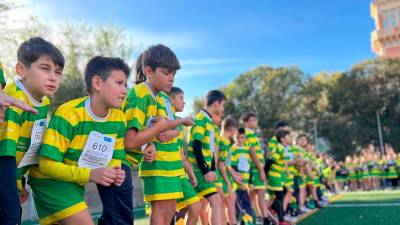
(385, 39)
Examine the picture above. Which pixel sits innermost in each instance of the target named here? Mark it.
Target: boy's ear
(20, 69)
(97, 83)
(148, 71)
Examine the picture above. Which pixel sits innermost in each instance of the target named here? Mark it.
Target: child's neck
(98, 107)
(210, 110)
(225, 134)
(37, 96)
(152, 88)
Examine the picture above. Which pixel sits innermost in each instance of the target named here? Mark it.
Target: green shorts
(255, 180)
(301, 181)
(189, 194)
(157, 188)
(55, 199)
(204, 188)
(275, 181)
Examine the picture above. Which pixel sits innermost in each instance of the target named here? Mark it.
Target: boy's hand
(188, 121)
(7, 101)
(167, 135)
(150, 153)
(193, 180)
(23, 195)
(120, 176)
(103, 176)
(210, 177)
(263, 177)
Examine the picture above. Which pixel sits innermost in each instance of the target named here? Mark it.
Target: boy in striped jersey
(83, 143)
(40, 65)
(202, 152)
(258, 177)
(147, 118)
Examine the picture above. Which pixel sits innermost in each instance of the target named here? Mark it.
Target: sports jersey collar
(91, 114)
(21, 86)
(149, 89)
(206, 113)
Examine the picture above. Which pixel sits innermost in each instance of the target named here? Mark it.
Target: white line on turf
(363, 205)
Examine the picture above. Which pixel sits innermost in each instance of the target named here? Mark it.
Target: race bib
(243, 164)
(212, 142)
(169, 109)
(31, 156)
(97, 152)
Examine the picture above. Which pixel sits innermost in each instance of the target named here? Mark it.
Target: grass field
(366, 208)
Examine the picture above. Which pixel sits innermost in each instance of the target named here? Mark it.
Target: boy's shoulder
(18, 92)
(71, 109)
(142, 91)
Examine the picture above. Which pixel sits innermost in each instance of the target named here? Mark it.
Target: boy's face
(287, 140)
(240, 139)
(162, 79)
(42, 78)
(216, 119)
(252, 122)
(232, 131)
(178, 102)
(113, 89)
(219, 108)
(302, 142)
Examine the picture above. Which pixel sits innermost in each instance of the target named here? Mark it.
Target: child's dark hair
(303, 136)
(140, 77)
(281, 124)
(174, 92)
(247, 116)
(241, 130)
(214, 96)
(102, 67)
(229, 122)
(281, 134)
(160, 56)
(31, 50)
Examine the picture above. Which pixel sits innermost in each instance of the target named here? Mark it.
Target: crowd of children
(216, 170)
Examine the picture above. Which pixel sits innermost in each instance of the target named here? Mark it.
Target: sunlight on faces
(113, 90)
(162, 79)
(219, 108)
(42, 78)
(178, 102)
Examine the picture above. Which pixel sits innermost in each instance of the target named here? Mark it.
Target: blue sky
(218, 40)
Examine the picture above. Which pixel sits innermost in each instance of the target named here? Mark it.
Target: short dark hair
(31, 50)
(102, 67)
(214, 96)
(247, 115)
(303, 136)
(229, 122)
(174, 92)
(241, 130)
(281, 124)
(281, 134)
(160, 56)
(140, 77)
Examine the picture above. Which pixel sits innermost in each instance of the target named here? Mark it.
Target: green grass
(366, 208)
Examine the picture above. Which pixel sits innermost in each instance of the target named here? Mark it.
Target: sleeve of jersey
(55, 144)
(198, 130)
(119, 150)
(275, 155)
(136, 114)
(9, 133)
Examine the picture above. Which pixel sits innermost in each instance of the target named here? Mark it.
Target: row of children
(101, 137)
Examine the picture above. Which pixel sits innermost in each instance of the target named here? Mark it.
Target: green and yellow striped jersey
(71, 126)
(204, 131)
(16, 130)
(252, 141)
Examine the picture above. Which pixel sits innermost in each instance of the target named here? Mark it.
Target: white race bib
(98, 151)
(243, 164)
(169, 109)
(31, 156)
(212, 142)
